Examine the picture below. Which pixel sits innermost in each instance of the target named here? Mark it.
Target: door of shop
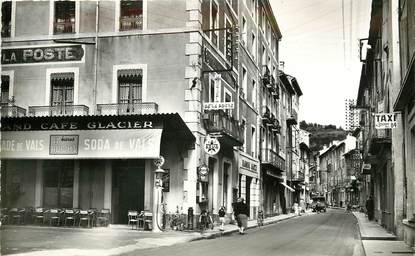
(128, 188)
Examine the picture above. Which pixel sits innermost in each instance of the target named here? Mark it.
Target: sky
(322, 53)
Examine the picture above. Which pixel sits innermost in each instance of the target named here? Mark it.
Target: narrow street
(331, 233)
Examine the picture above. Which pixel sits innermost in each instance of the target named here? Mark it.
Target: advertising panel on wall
(81, 144)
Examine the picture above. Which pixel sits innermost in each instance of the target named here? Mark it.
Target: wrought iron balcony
(218, 121)
(59, 110)
(270, 157)
(299, 177)
(266, 114)
(292, 119)
(131, 22)
(64, 26)
(266, 77)
(378, 139)
(12, 111)
(127, 109)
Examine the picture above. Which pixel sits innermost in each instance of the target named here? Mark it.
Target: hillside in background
(321, 135)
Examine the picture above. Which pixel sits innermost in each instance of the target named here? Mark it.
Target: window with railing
(130, 83)
(64, 21)
(62, 94)
(6, 18)
(131, 15)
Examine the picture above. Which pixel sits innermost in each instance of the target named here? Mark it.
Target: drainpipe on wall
(94, 92)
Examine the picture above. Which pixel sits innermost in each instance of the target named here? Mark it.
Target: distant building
(351, 115)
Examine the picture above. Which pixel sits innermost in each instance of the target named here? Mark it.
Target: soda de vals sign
(41, 54)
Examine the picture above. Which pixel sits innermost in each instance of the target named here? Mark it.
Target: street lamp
(158, 186)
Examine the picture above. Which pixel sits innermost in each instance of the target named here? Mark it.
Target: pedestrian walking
(222, 213)
(241, 212)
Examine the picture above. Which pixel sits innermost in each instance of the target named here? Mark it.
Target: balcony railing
(292, 119)
(131, 22)
(299, 176)
(266, 77)
(61, 110)
(378, 138)
(127, 109)
(269, 156)
(12, 111)
(6, 29)
(64, 26)
(218, 121)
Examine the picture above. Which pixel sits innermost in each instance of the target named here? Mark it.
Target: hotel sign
(42, 54)
(385, 120)
(218, 105)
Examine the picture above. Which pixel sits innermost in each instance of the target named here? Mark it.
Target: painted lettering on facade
(29, 55)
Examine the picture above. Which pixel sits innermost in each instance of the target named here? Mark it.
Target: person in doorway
(241, 212)
(222, 213)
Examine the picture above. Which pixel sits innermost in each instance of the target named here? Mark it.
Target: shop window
(6, 18)
(5, 84)
(64, 21)
(58, 184)
(131, 15)
(62, 92)
(130, 90)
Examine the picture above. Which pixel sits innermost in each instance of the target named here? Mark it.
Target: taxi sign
(211, 146)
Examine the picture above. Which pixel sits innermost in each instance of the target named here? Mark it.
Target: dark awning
(62, 76)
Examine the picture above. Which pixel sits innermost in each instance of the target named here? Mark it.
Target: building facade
(93, 92)
(388, 88)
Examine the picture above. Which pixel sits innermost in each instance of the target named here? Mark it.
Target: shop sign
(367, 166)
(249, 165)
(385, 120)
(42, 54)
(211, 146)
(218, 105)
(97, 144)
(52, 124)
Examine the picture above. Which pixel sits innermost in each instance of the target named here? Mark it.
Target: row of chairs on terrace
(55, 217)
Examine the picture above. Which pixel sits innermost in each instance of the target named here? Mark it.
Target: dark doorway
(127, 189)
(248, 191)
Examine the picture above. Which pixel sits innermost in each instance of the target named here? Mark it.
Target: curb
(229, 232)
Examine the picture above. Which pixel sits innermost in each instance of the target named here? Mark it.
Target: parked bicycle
(205, 221)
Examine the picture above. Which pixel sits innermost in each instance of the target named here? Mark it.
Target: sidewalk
(66, 241)
(376, 240)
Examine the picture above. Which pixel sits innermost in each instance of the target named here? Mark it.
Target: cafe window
(131, 15)
(130, 90)
(58, 184)
(62, 92)
(64, 20)
(6, 18)
(5, 85)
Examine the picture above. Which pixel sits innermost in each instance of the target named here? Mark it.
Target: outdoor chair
(148, 220)
(84, 216)
(140, 220)
(16, 216)
(38, 215)
(93, 213)
(133, 219)
(104, 217)
(4, 216)
(53, 216)
(69, 215)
